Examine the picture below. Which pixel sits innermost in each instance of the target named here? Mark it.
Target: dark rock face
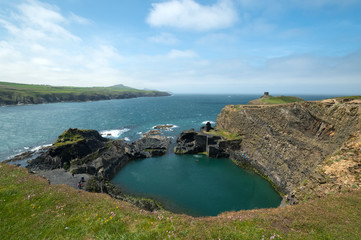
(150, 145)
(85, 151)
(190, 142)
(207, 127)
(66, 149)
(193, 142)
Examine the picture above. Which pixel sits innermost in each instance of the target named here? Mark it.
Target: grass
(281, 100)
(14, 93)
(30, 208)
(225, 134)
(68, 137)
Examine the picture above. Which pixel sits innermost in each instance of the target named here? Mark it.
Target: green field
(30, 208)
(14, 93)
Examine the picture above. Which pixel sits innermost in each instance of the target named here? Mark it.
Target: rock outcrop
(286, 143)
(193, 142)
(85, 151)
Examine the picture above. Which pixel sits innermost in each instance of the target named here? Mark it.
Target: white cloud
(77, 19)
(36, 17)
(164, 38)
(35, 21)
(182, 54)
(38, 47)
(190, 15)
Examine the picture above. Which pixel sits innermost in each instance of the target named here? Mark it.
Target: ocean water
(187, 184)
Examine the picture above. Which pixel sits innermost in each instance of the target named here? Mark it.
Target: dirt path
(60, 176)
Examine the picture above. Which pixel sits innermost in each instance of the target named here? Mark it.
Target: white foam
(205, 122)
(140, 133)
(35, 149)
(26, 148)
(126, 139)
(115, 133)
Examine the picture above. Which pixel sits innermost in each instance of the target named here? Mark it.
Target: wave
(27, 149)
(114, 133)
(205, 122)
(35, 149)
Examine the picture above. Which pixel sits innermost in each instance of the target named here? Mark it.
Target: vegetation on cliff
(14, 93)
(30, 208)
(267, 99)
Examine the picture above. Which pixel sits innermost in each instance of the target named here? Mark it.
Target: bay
(195, 185)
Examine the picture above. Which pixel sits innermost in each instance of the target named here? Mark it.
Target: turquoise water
(189, 184)
(196, 185)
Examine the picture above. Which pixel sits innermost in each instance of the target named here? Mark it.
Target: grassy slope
(281, 100)
(30, 208)
(266, 100)
(10, 91)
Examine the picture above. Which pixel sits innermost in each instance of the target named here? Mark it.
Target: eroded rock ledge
(284, 143)
(87, 152)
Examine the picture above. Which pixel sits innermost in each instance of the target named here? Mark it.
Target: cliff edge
(287, 143)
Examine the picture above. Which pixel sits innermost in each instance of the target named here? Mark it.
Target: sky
(185, 46)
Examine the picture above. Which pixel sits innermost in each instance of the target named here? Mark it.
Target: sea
(190, 184)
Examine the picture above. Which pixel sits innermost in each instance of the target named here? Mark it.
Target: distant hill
(15, 93)
(121, 86)
(267, 99)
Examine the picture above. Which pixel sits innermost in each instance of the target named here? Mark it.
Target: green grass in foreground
(30, 208)
(281, 100)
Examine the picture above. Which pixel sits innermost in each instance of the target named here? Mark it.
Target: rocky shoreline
(86, 154)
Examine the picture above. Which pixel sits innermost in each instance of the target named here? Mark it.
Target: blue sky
(185, 46)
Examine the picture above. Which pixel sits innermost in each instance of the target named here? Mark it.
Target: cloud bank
(190, 15)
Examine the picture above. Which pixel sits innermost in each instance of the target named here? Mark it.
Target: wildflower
(29, 197)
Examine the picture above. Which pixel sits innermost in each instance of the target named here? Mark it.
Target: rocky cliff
(85, 151)
(286, 143)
